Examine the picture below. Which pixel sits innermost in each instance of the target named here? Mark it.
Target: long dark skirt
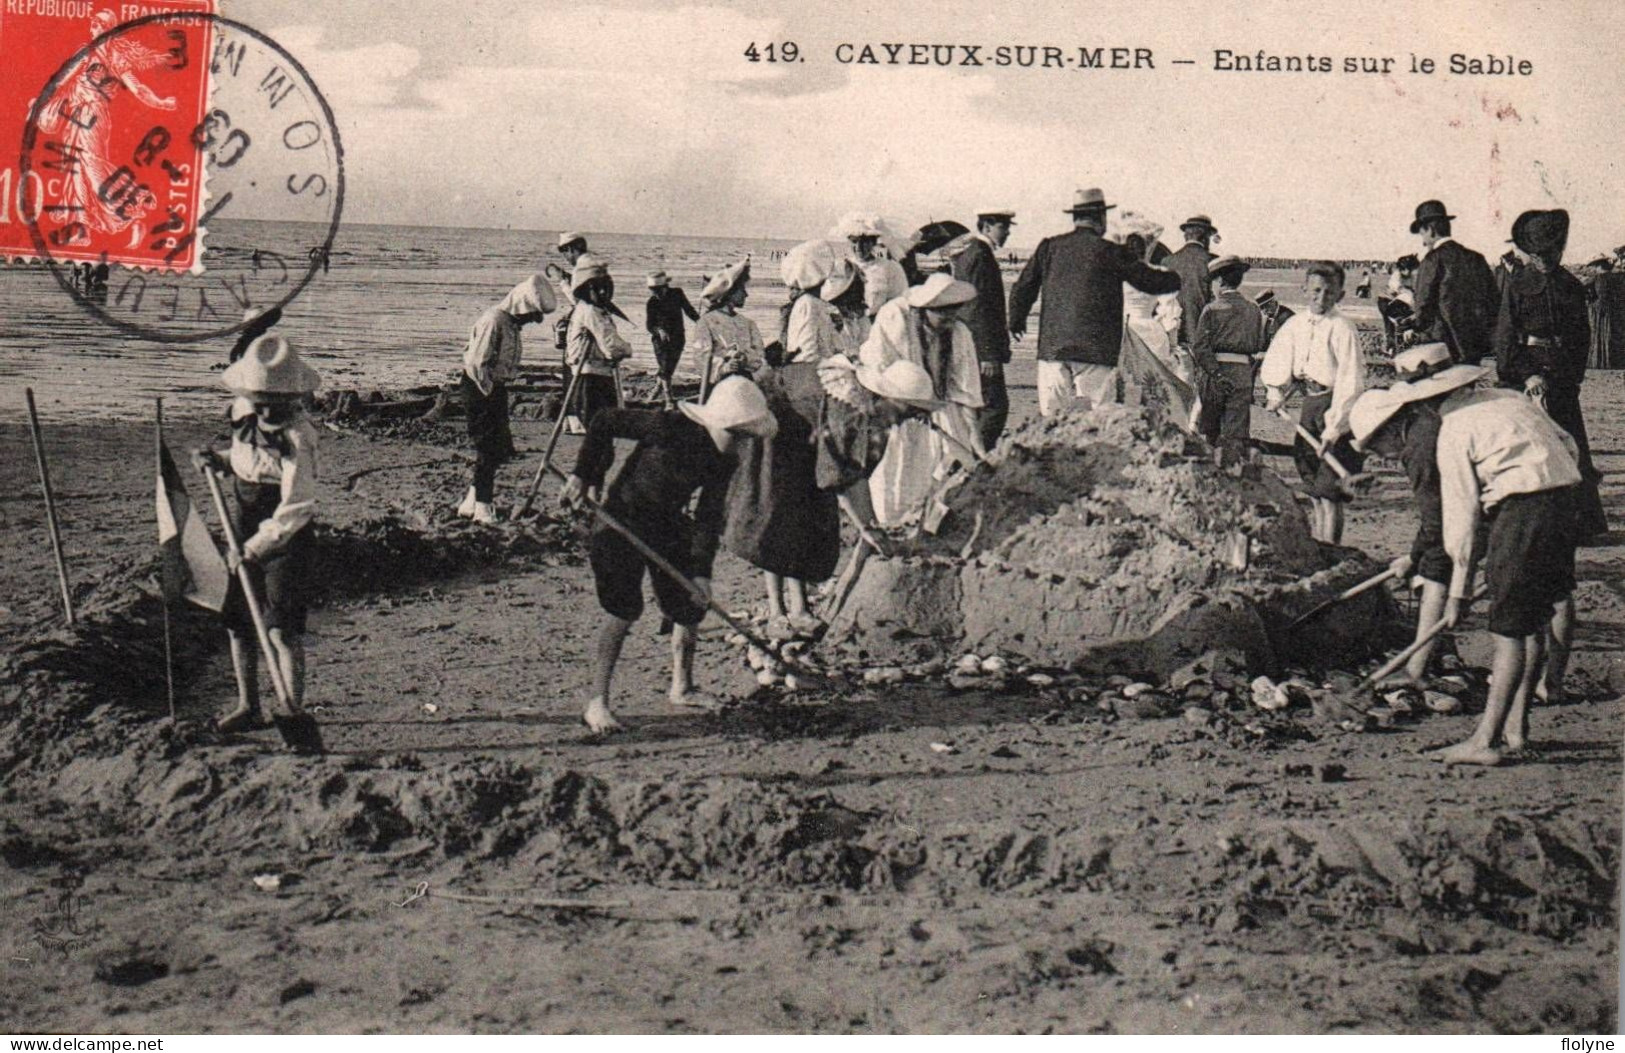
(778, 518)
(1563, 404)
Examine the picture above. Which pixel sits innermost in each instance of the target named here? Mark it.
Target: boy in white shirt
(1319, 351)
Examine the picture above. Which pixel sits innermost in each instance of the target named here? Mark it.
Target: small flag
(1159, 387)
(192, 567)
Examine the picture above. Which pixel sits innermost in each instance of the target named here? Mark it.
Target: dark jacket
(1419, 455)
(1456, 300)
(1551, 307)
(1231, 324)
(1274, 320)
(1081, 277)
(984, 316)
(665, 311)
(673, 458)
(1195, 287)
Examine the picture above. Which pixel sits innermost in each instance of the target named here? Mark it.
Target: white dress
(917, 457)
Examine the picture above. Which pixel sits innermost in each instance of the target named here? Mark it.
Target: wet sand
(801, 863)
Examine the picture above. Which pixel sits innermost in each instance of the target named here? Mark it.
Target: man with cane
(677, 453)
(272, 465)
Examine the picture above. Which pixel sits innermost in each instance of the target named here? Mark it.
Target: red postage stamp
(98, 108)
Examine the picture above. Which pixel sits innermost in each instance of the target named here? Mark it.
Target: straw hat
(270, 366)
(840, 280)
(735, 404)
(1415, 362)
(997, 212)
(657, 279)
(569, 236)
(902, 381)
(1374, 408)
(1090, 200)
(1199, 222)
(941, 291)
(584, 273)
(1265, 298)
(808, 265)
(1429, 210)
(1219, 264)
(726, 280)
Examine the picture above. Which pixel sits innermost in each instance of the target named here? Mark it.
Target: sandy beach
(806, 862)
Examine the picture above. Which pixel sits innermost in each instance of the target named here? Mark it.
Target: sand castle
(1101, 539)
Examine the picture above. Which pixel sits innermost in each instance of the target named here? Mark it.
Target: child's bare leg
(795, 598)
(1559, 644)
(1508, 672)
(1428, 613)
(290, 653)
(683, 691)
(1516, 732)
(610, 638)
(245, 664)
(775, 594)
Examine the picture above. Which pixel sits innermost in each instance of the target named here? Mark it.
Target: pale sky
(645, 117)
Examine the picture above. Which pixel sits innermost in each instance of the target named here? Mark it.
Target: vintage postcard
(729, 518)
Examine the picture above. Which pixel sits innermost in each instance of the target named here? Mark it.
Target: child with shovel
(272, 464)
(1319, 351)
(1503, 461)
(1412, 438)
(677, 453)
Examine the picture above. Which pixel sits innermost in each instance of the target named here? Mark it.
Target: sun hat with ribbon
(902, 381)
(270, 366)
(586, 273)
(839, 281)
(571, 235)
(1374, 408)
(736, 404)
(1413, 363)
(726, 281)
(941, 291)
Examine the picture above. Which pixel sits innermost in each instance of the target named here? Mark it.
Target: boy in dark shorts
(677, 453)
(1503, 461)
(272, 465)
(1402, 423)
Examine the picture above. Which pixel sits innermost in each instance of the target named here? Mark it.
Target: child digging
(272, 464)
(677, 453)
(1319, 351)
(1502, 460)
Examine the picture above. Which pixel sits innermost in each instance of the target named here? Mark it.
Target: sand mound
(1100, 538)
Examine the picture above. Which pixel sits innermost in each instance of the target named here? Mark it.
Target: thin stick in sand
(251, 598)
(50, 506)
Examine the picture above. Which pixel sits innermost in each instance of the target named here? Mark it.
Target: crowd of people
(885, 381)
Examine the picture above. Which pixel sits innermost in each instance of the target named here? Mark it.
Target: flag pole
(163, 593)
(50, 505)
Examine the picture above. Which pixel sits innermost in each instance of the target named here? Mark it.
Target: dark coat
(1195, 287)
(1456, 301)
(984, 316)
(1081, 277)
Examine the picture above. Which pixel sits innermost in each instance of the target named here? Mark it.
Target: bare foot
(1513, 745)
(598, 718)
(695, 700)
(241, 718)
(1468, 753)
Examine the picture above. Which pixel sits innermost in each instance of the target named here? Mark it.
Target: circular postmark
(196, 161)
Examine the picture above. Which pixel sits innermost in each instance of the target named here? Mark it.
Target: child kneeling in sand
(1501, 459)
(272, 463)
(677, 453)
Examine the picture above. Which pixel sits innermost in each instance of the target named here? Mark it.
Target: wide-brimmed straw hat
(270, 366)
(1091, 200)
(726, 281)
(736, 404)
(658, 278)
(1374, 408)
(1219, 264)
(839, 281)
(941, 291)
(586, 273)
(1429, 210)
(807, 265)
(1421, 360)
(569, 236)
(1541, 231)
(902, 381)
